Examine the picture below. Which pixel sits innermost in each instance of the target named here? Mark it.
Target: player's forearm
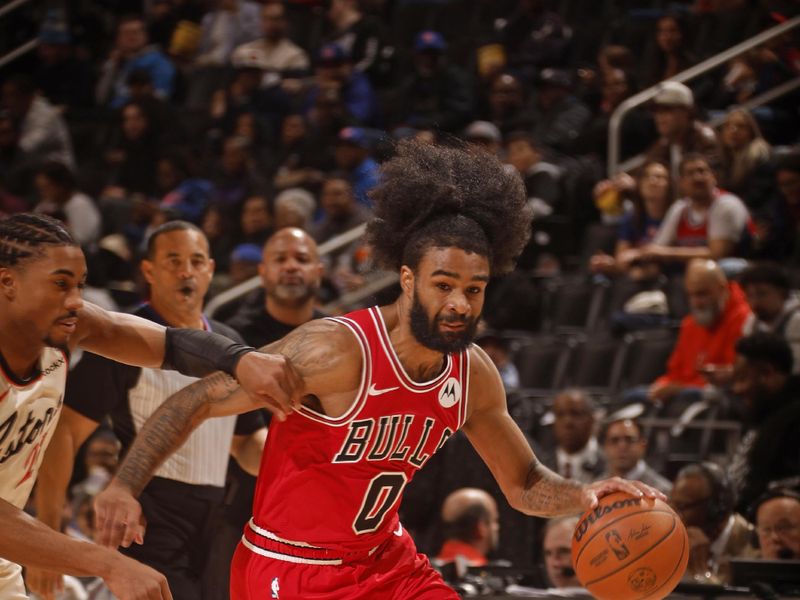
(28, 542)
(169, 426)
(247, 450)
(547, 494)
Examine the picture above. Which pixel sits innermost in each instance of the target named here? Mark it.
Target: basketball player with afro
(382, 389)
(42, 320)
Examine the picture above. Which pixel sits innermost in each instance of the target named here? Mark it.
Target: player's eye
(443, 286)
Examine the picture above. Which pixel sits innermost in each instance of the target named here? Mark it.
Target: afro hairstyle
(443, 196)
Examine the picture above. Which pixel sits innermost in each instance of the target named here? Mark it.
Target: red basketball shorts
(395, 571)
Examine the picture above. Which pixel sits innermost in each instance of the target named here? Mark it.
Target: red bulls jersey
(336, 483)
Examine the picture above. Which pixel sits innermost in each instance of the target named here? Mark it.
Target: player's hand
(594, 491)
(131, 580)
(118, 517)
(272, 381)
(45, 584)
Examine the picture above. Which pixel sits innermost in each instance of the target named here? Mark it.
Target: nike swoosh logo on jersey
(373, 391)
(399, 531)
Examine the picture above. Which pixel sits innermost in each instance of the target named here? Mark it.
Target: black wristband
(197, 353)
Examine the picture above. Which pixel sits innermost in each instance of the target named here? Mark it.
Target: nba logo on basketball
(275, 588)
(450, 393)
(617, 546)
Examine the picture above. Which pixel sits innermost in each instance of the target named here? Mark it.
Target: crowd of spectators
(245, 117)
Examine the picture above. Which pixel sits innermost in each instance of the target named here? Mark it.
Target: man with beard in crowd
(770, 450)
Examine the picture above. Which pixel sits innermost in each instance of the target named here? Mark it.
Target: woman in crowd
(745, 169)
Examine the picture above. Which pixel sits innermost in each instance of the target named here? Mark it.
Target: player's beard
(428, 334)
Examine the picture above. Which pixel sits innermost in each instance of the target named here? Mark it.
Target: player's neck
(20, 353)
(420, 362)
(189, 318)
(289, 315)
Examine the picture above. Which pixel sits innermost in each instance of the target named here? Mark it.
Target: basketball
(630, 548)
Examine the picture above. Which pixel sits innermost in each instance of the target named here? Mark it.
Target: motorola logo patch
(450, 393)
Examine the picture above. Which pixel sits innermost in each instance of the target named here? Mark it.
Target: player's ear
(8, 283)
(147, 270)
(407, 280)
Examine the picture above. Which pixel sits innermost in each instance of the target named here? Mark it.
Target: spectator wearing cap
(352, 156)
(231, 24)
(542, 179)
(775, 309)
(486, 135)
(559, 116)
(43, 133)
(130, 52)
(281, 56)
(679, 133)
(535, 38)
(358, 34)
(769, 449)
(334, 70)
(437, 94)
(64, 79)
(244, 262)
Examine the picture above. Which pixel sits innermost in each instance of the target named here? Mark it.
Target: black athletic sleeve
(197, 353)
(96, 386)
(248, 422)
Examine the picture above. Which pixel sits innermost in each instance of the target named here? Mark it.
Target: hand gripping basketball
(630, 548)
(118, 517)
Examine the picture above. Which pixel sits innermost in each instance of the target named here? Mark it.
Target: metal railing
(627, 105)
(23, 48)
(331, 245)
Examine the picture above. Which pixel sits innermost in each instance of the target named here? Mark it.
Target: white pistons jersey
(29, 412)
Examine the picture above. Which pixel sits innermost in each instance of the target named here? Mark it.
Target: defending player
(43, 318)
(383, 389)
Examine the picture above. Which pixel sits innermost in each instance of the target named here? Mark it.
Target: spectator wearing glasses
(778, 524)
(624, 448)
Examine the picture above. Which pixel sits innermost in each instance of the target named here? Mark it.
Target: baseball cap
(249, 58)
(672, 93)
(331, 53)
(430, 40)
(483, 130)
(246, 253)
(54, 31)
(355, 136)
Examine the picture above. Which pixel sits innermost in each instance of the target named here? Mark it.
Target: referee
(189, 487)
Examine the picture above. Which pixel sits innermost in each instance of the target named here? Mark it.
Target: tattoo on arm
(169, 426)
(313, 349)
(547, 494)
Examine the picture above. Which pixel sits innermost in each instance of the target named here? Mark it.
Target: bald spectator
(471, 527)
(290, 272)
(624, 447)
(778, 525)
(705, 348)
(679, 133)
(281, 56)
(706, 223)
(775, 308)
(557, 552)
(577, 454)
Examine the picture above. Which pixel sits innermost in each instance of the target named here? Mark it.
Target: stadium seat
(596, 364)
(542, 362)
(645, 357)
